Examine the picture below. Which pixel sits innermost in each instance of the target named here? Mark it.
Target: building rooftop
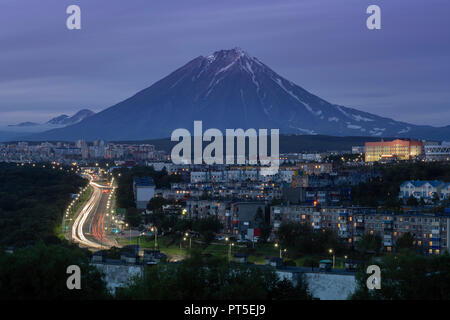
(144, 182)
(419, 183)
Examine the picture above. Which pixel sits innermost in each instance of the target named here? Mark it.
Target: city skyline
(398, 71)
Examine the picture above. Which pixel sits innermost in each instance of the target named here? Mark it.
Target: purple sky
(401, 71)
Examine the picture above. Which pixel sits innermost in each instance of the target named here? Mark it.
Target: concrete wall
(118, 275)
(143, 196)
(327, 286)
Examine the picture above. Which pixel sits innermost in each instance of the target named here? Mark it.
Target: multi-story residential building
(437, 152)
(397, 149)
(81, 150)
(445, 191)
(226, 175)
(315, 168)
(358, 149)
(431, 231)
(246, 191)
(423, 189)
(237, 218)
(144, 191)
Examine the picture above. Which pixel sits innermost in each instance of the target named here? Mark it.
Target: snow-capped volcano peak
(231, 89)
(234, 54)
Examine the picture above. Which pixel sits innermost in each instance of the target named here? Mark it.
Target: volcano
(231, 89)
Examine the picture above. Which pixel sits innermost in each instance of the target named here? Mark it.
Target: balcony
(343, 233)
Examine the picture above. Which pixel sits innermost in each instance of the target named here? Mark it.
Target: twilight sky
(401, 71)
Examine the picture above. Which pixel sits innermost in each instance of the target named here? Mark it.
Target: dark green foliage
(207, 227)
(32, 202)
(133, 217)
(406, 241)
(157, 203)
(369, 243)
(200, 278)
(302, 239)
(412, 201)
(211, 223)
(408, 276)
(288, 143)
(384, 191)
(125, 197)
(40, 272)
(262, 221)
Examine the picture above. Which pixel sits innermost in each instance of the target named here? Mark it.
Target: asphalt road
(88, 228)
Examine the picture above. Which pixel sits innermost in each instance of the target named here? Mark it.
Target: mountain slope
(65, 120)
(230, 89)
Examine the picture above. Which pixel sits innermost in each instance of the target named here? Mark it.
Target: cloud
(322, 45)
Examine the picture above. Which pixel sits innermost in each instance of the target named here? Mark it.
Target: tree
(40, 272)
(369, 242)
(156, 204)
(436, 198)
(310, 262)
(408, 276)
(406, 241)
(133, 217)
(302, 239)
(202, 278)
(412, 201)
(207, 227)
(32, 202)
(261, 222)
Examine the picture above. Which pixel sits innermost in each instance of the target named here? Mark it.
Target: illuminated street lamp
(155, 230)
(126, 225)
(331, 251)
(231, 244)
(186, 235)
(281, 250)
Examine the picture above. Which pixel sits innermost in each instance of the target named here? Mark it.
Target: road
(88, 228)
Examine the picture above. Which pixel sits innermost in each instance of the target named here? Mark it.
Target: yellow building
(400, 149)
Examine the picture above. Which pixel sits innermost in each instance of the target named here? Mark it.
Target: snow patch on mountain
(405, 130)
(360, 118)
(304, 131)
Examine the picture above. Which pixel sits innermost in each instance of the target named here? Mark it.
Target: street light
(126, 225)
(155, 230)
(229, 248)
(281, 250)
(332, 252)
(186, 235)
(139, 239)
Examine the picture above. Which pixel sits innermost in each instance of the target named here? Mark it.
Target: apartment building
(396, 149)
(237, 218)
(437, 152)
(424, 189)
(431, 231)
